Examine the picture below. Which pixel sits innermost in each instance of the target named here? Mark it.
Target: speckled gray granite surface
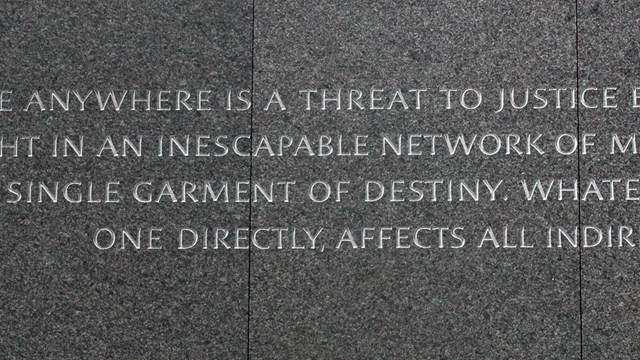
(60, 297)
(415, 303)
(608, 57)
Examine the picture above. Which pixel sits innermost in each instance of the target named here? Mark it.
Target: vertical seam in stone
(253, 35)
(579, 180)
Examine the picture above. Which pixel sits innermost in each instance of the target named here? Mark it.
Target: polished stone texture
(60, 297)
(608, 57)
(416, 303)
